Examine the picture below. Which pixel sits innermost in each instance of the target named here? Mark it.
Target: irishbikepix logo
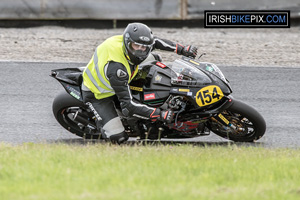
(247, 19)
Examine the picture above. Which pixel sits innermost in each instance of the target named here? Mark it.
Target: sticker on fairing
(149, 96)
(136, 88)
(194, 62)
(209, 95)
(209, 68)
(73, 91)
(183, 90)
(74, 95)
(160, 64)
(158, 78)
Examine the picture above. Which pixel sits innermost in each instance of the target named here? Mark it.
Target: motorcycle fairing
(71, 80)
(210, 68)
(68, 75)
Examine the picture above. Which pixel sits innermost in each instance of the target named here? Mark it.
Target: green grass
(101, 171)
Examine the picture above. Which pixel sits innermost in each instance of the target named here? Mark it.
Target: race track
(27, 92)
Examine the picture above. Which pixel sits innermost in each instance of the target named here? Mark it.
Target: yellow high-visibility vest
(94, 76)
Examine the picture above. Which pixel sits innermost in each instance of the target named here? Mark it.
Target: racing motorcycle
(197, 92)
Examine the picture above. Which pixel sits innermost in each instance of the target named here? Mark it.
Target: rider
(112, 67)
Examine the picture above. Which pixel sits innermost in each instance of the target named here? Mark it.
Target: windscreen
(183, 73)
(212, 68)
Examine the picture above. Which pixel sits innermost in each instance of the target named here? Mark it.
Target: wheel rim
(67, 115)
(242, 127)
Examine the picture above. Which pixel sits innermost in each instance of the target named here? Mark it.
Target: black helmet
(137, 42)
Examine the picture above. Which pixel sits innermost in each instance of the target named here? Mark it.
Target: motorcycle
(197, 92)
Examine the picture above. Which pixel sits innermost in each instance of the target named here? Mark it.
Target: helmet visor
(138, 49)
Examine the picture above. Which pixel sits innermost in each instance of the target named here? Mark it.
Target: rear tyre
(64, 109)
(248, 124)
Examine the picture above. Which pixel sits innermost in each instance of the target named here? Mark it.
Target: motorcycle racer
(110, 70)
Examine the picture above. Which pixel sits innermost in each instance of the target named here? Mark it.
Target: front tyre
(247, 125)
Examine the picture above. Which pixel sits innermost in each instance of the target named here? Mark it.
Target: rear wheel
(65, 108)
(247, 125)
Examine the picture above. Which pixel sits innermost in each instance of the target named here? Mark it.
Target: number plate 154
(209, 95)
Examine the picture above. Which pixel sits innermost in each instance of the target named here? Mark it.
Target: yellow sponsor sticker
(136, 88)
(184, 90)
(209, 95)
(223, 119)
(194, 62)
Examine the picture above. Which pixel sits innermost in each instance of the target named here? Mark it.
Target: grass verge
(101, 171)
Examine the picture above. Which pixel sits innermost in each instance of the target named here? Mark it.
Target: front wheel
(247, 125)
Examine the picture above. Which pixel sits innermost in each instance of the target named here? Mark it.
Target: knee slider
(119, 138)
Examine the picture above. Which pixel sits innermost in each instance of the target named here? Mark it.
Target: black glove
(167, 116)
(189, 51)
(162, 115)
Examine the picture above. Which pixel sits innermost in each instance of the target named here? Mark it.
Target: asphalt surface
(27, 92)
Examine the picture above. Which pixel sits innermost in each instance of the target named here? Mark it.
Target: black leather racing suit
(104, 109)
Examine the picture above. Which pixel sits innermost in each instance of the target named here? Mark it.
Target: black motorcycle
(197, 92)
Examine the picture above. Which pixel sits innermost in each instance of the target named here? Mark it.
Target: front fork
(221, 119)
